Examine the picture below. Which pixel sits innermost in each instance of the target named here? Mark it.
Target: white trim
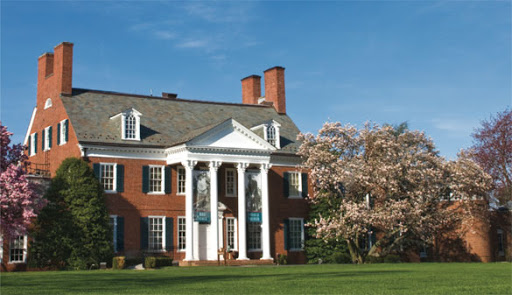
(24, 251)
(62, 134)
(178, 234)
(302, 235)
(48, 103)
(100, 151)
(114, 185)
(235, 233)
(124, 114)
(233, 195)
(33, 149)
(162, 181)
(299, 191)
(164, 232)
(46, 139)
(25, 141)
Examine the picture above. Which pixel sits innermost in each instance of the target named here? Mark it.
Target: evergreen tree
(73, 229)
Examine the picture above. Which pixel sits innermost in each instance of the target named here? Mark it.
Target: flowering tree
(492, 149)
(390, 183)
(19, 203)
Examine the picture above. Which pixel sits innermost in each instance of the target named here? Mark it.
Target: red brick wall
(274, 88)
(251, 89)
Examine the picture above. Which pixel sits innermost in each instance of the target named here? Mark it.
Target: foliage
(19, 201)
(341, 258)
(392, 258)
(317, 248)
(73, 230)
(118, 262)
(396, 279)
(492, 150)
(282, 259)
(391, 183)
(150, 262)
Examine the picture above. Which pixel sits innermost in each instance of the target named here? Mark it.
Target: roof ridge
(82, 90)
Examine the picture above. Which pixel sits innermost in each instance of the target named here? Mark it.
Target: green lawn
(424, 278)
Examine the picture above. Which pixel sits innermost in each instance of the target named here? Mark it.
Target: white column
(189, 210)
(265, 212)
(214, 209)
(242, 215)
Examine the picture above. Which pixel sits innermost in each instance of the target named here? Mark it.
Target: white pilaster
(265, 212)
(214, 208)
(242, 215)
(189, 211)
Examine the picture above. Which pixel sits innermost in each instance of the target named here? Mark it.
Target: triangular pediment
(230, 134)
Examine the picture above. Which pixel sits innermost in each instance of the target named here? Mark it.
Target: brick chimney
(274, 88)
(55, 71)
(251, 89)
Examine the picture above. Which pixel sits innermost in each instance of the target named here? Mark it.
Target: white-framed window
(501, 245)
(181, 180)
(182, 236)
(63, 132)
(18, 249)
(254, 236)
(296, 233)
(47, 145)
(108, 176)
(130, 125)
(156, 179)
(230, 182)
(48, 103)
(294, 185)
(33, 144)
(113, 225)
(156, 233)
(271, 134)
(231, 234)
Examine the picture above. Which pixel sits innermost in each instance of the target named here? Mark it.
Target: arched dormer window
(48, 103)
(271, 135)
(130, 124)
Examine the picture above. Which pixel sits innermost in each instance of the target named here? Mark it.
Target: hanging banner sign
(253, 195)
(201, 183)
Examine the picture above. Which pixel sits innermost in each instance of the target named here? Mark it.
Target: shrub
(163, 261)
(282, 259)
(374, 259)
(150, 262)
(118, 262)
(391, 258)
(341, 258)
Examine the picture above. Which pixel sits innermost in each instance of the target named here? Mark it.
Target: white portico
(228, 143)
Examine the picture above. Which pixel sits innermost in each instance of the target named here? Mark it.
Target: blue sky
(441, 66)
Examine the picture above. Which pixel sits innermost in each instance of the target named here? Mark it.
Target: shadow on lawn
(116, 281)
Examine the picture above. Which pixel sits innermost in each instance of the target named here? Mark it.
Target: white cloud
(164, 35)
(193, 44)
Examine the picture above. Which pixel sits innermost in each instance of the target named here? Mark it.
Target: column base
(242, 258)
(266, 258)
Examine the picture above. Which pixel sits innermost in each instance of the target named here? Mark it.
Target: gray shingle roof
(164, 122)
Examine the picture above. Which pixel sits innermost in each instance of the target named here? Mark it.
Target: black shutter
(43, 144)
(96, 168)
(35, 143)
(286, 234)
(167, 184)
(144, 228)
(29, 145)
(120, 178)
(286, 184)
(304, 185)
(120, 233)
(145, 179)
(169, 234)
(50, 137)
(58, 133)
(66, 137)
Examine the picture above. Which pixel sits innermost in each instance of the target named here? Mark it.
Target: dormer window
(271, 131)
(130, 124)
(271, 135)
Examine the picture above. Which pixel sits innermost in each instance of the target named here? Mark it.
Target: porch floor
(227, 262)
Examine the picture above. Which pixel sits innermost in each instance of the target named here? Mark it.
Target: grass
(405, 278)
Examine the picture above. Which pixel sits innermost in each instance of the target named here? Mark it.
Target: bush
(392, 259)
(341, 258)
(154, 262)
(150, 262)
(118, 262)
(374, 259)
(282, 259)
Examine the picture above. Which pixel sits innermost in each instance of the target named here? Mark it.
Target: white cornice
(30, 126)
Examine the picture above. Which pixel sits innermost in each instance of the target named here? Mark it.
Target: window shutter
(120, 234)
(144, 227)
(167, 184)
(286, 225)
(50, 137)
(58, 133)
(29, 145)
(43, 144)
(286, 184)
(145, 179)
(372, 201)
(169, 234)
(96, 168)
(304, 185)
(66, 123)
(35, 143)
(120, 178)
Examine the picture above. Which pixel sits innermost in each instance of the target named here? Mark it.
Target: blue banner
(254, 216)
(202, 216)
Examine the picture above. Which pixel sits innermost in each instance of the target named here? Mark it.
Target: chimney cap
(251, 76)
(64, 43)
(45, 54)
(276, 68)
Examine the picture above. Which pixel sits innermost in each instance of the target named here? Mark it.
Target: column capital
(214, 165)
(189, 164)
(242, 166)
(265, 167)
